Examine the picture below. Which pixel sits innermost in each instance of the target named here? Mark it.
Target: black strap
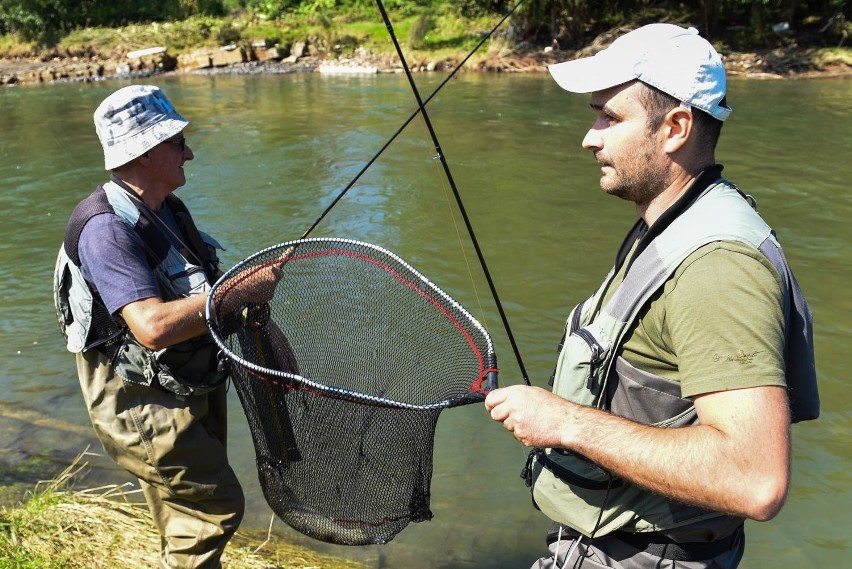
(661, 546)
(657, 544)
(155, 241)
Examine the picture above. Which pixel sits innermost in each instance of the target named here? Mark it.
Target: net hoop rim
(334, 390)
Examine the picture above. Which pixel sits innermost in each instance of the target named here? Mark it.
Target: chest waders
(574, 491)
(189, 367)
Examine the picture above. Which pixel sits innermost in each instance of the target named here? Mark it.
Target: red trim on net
(407, 283)
(476, 385)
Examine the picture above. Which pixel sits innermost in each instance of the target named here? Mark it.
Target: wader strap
(660, 546)
(657, 544)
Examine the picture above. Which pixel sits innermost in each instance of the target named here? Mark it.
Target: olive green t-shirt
(716, 324)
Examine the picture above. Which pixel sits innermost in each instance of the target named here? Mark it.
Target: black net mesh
(342, 373)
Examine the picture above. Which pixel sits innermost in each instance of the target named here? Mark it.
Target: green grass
(830, 55)
(57, 527)
(446, 31)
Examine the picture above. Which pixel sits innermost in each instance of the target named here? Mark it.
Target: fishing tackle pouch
(191, 367)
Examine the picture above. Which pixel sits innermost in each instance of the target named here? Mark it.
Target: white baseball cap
(132, 121)
(675, 60)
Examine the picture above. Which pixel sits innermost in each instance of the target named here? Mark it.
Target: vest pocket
(179, 278)
(648, 399)
(584, 355)
(576, 492)
(589, 477)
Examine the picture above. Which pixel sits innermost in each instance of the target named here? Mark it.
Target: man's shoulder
(103, 239)
(104, 225)
(724, 259)
(726, 272)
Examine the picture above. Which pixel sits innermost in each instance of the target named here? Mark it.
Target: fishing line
(411, 118)
(440, 155)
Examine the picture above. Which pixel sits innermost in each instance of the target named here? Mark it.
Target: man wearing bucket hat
(668, 421)
(130, 287)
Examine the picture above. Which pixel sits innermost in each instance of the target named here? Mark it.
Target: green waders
(176, 447)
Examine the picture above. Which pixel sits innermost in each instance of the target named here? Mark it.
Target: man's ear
(677, 127)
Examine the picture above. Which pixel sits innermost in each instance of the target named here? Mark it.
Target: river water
(273, 151)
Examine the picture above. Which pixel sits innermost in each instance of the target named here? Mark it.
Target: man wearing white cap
(130, 286)
(676, 383)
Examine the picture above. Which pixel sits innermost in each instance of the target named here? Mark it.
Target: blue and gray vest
(186, 368)
(574, 491)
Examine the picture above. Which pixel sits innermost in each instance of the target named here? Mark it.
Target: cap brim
(591, 74)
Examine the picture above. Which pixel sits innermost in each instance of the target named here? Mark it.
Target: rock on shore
(138, 63)
(259, 57)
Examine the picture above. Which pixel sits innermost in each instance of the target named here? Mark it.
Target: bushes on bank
(569, 23)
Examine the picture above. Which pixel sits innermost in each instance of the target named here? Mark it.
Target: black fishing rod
(410, 118)
(421, 106)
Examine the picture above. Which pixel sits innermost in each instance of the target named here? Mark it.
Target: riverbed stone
(227, 55)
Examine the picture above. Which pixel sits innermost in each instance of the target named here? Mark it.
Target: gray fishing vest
(187, 368)
(574, 491)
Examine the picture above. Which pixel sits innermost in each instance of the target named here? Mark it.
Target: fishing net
(342, 373)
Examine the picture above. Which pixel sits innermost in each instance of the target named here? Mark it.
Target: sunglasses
(179, 142)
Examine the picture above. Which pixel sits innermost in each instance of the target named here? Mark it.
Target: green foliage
(571, 24)
(476, 8)
(203, 8)
(270, 8)
(742, 23)
(422, 26)
(17, 17)
(46, 19)
(228, 34)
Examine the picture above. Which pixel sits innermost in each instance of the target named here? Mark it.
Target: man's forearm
(739, 467)
(736, 460)
(157, 324)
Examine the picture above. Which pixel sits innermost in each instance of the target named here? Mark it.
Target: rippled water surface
(273, 151)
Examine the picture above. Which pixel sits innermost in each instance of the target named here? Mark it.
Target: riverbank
(110, 526)
(258, 57)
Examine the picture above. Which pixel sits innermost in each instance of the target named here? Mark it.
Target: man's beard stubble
(634, 179)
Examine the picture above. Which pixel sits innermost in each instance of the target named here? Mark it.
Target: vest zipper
(575, 319)
(594, 346)
(597, 354)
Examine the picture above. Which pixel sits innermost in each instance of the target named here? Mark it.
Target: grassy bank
(57, 526)
(436, 31)
(435, 37)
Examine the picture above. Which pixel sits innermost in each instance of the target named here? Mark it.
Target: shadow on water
(37, 447)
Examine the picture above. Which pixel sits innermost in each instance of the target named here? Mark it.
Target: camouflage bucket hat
(133, 120)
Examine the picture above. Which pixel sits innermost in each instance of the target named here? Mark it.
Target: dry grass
(107, 527)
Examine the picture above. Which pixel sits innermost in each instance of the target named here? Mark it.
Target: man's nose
(592, 140)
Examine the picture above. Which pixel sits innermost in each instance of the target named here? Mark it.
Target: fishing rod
(410, 118)
(421, 105)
